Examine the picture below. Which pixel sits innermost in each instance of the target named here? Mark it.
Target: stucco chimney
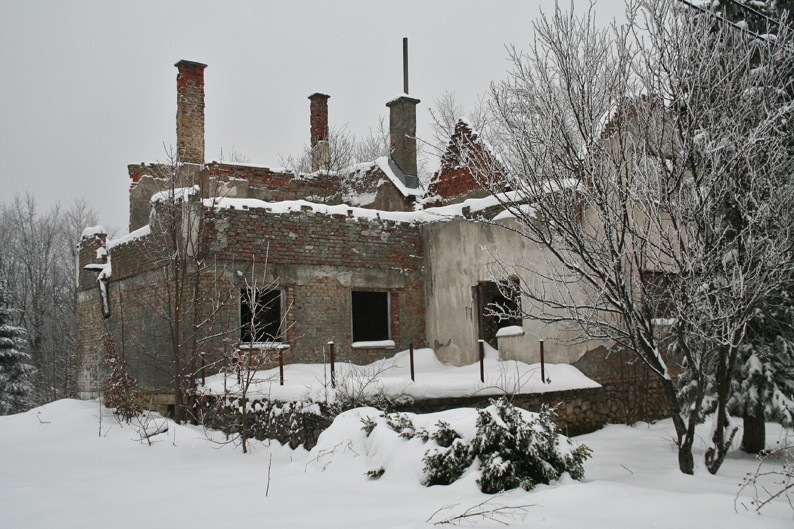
(190, 112)
(318, 118)
(402, 128)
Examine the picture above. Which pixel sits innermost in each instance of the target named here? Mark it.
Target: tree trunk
(754, 436)
(686, 463)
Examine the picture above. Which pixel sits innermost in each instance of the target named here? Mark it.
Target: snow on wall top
(176, 195)
(92, 231)
(428, 215)
(134, 235)
(254, 165)
(401, 96)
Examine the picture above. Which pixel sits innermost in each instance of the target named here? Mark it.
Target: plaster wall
(459, 254)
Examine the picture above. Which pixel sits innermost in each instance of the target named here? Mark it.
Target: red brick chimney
(190, 112)
(402, 128)
(319, 131)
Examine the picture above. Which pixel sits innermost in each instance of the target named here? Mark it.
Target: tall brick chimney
(319, 131)
(190, 112)
(402, 128)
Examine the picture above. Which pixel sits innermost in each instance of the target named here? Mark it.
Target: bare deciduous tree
(38, 263)
(627, 153)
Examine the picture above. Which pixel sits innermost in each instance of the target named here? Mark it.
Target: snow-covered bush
(445, 435)
(513, 447)
(515, 451)
(446, 465)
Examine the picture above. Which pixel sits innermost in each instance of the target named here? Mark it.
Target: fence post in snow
(333, 374)
(412, 363)
(281, 366)
(482, 360)
(542, 364)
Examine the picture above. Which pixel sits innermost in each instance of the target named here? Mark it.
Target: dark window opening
(657, 294)
(498, 305)
(260, 315)
(370, 316)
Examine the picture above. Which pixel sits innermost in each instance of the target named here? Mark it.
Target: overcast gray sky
(87, 87)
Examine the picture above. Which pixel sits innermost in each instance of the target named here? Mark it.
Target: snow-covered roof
(408, 185)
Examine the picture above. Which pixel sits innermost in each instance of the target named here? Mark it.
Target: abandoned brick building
(355, 257)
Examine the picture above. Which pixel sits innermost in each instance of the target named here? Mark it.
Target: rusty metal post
(281, 366)
(333, 374)
(412, 363)
(482, 360)
(405, 64)
(542, 364)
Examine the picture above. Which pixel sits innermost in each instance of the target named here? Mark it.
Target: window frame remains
(270, 316)
(364, 309)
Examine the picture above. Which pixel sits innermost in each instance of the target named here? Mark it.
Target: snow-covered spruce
(15, 370)
(519, 450)
(513, 447)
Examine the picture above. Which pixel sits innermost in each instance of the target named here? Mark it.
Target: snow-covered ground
(61, 467)
(392, 378)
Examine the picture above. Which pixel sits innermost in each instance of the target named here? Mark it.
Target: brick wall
(464, 166)
(316, 259)
(190, 112)
(310, 238)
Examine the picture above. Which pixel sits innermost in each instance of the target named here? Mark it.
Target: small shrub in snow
(376, 473)
(445, 435)
(401, 424)
(444, 466)
(369, 424)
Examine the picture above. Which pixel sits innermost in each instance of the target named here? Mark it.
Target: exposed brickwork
(316, 259)
(318, 118)
(190, 112)
(309, 238)
(465, 165)
(402, 127)
(276, 185)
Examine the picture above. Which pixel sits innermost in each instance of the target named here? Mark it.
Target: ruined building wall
(317, 260)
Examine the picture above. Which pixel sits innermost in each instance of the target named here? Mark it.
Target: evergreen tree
(15, 384)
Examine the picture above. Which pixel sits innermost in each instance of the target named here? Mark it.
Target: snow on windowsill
(378, 344)
(264, 346)
(512, 330)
